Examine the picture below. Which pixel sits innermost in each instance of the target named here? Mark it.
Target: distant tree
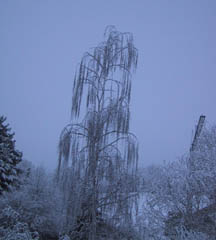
(180, 199)
(34, 209)
(9, 158)
(98, 157)
(203, 159)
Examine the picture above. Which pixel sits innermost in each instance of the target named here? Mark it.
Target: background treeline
(174, 201)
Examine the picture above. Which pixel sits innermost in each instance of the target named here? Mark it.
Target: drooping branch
(116, 55)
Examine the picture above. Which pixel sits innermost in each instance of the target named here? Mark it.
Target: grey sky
(42, 41)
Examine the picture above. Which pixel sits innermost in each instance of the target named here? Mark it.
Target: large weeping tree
(98, 156)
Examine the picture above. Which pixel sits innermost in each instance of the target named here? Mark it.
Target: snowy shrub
(12, 228)
(36, 203)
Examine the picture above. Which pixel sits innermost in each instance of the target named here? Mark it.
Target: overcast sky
(41, 43)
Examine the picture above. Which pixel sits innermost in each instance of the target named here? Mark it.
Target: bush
(12, 228)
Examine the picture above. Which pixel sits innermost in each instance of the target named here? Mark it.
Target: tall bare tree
(98, 156)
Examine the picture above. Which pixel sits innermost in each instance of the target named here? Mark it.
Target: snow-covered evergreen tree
(9, 158)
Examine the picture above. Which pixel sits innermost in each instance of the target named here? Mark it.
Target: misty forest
(98, 189)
